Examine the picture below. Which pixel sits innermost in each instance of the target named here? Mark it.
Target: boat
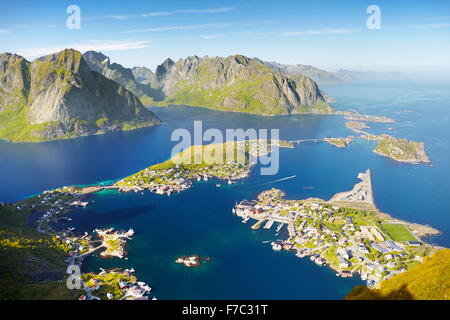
(276, 246)
(245, 220)
(233, 210)
(218, 185)
(280, 225)
(268, 224)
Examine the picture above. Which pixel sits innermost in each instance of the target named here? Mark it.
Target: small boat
(280, 225)
(233, 210)
(218, 185)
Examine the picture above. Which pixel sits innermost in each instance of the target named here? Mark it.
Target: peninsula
(347, 233)
(229, 161)
(398, 149)
(36, 258)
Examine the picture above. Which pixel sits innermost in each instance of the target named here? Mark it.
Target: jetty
(361, 192)
(269, 224)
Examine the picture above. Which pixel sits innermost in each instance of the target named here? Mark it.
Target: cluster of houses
(329, 236)
(178, 178)
(131, 289)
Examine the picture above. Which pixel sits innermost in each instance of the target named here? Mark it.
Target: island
(200, 163)
(339, 142)
(356, 125)
(192, 261)
(347, 233)
(398, 149)
(355, 116)
(402, 150)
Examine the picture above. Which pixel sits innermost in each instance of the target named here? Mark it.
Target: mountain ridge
(58, 96)
(235, 83)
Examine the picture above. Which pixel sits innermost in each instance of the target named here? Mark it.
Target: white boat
(280, 225)
(218, 185)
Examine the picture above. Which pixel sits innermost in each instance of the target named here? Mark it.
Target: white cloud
(197, 26)
(432, 25)
(217, 10)
(4, 31)
(161, 13)
(97, 45)
(315, 32)
(184, 27)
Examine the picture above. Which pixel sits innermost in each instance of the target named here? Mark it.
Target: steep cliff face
(236, 83)
(62, 97)
(142, 75)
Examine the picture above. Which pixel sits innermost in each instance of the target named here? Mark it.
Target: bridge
(306, 140)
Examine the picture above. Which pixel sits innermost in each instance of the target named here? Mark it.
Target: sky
(413, 35)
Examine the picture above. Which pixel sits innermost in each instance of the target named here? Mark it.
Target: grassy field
(398, 232)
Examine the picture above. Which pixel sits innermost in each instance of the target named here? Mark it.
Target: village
(51, 206)
(177, 174)
(178, 177)
(348, 240)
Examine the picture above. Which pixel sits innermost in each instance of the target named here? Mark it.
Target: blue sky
(414, 35)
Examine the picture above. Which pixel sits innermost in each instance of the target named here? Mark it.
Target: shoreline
(309, 222)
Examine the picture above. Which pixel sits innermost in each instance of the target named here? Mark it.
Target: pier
(269, 224)
(361, 192)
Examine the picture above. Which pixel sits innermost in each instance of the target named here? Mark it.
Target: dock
(269, 224)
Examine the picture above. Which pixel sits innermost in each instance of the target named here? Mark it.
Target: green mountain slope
(429, 280)
(58, 96)
(235, 83)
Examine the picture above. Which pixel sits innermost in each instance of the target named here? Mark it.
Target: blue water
(199, 220)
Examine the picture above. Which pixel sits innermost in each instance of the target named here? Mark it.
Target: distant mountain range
(70, 94)
(59, 96)
(235, 83)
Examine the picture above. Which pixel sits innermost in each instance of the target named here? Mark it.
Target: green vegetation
(401, 149)
(339, 142)
(398, 232)
(30, 263)
(107, 283)
(427, 281)
(239, 84)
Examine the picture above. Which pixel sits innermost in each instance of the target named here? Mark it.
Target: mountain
(142, 75)
(320, 76)
(235, 83)
(100, 63)
(429, 280)
(59, 96)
